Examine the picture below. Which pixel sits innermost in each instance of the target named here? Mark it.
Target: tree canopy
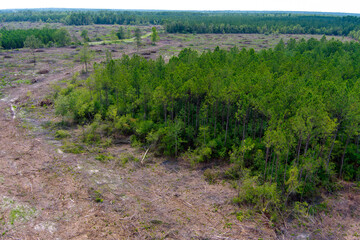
(15, 38)
(289, 115)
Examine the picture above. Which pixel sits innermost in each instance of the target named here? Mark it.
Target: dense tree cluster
(289, 116)
(15, 38)
(32, 15)
(265, 23)
(85, 17)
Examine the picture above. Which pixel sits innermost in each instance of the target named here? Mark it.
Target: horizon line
(180, 10)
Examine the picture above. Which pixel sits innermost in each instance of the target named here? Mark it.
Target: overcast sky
(347, 6)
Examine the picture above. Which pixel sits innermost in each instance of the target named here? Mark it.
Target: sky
(346, 6)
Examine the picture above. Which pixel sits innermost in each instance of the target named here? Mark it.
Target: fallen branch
(142, 160)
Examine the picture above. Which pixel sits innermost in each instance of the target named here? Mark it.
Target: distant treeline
(32, 16)
(88, 17)
(250, 23)
(202, 22)
(10, 39)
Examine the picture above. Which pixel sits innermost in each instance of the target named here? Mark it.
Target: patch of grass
(98, 196)
(104, 157)
(61, 134)
(46, 124)
(70, 147)
(105, 142)
(243, 215)
(21, 213)
(125, 158)
(17, 212)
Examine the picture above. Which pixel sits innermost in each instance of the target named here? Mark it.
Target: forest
(202, 21)
(287, 119)
(15, 38)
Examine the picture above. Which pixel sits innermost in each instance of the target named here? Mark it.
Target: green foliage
(243, 215)
(20, 213)
(240, 154)
(211, 176)
(292, 182)
(71, 147)
(264, 197)
(200, 154)
(200, 22)
(92, 133)
(125, 158)
(121, 34)
(317, 208)
(143, 128)
(154, 35)
(85, 55)
(98, 196)
(104, 157)
(61, 134)
(138, 37)
(289, 116)
(301, 211)
(62, 37)
(84, 35)
(16, 38)
(32, 42)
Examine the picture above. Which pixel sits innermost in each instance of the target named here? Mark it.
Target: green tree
(154, 36)
(84, 35)
(85, 55)
(138, 37)
(62, 37)
(121, 33)
(32, 43)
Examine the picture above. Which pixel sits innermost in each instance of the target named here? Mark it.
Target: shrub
(125, 125)
(200, 154)
(211, 176)
(264, 197)
(104, 157)
(70, 147)
(61, 134)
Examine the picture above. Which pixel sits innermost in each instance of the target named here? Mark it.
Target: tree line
(288, 118)
(264, 24)
(202, 22)
(15, 38)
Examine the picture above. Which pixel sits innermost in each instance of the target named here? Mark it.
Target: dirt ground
(48, 194)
